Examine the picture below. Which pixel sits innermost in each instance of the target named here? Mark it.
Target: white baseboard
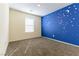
(62, 42)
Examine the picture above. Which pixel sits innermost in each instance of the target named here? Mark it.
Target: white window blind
(29, 25)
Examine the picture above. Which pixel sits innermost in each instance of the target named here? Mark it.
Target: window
(29, 25)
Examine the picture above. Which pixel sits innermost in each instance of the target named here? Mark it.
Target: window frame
(29, 27)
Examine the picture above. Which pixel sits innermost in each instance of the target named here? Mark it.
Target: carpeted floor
(40, 47)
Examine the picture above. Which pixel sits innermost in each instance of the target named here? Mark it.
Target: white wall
(17, 26)
(4, 23)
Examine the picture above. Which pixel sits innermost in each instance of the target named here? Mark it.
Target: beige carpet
(40, 47)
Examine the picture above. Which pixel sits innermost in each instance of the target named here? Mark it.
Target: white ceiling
(34, 8)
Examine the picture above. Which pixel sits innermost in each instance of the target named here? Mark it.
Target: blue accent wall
(62, 24)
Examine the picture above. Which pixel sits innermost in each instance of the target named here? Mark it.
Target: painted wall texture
(4, 28)
(62, 24)
(17, 26)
